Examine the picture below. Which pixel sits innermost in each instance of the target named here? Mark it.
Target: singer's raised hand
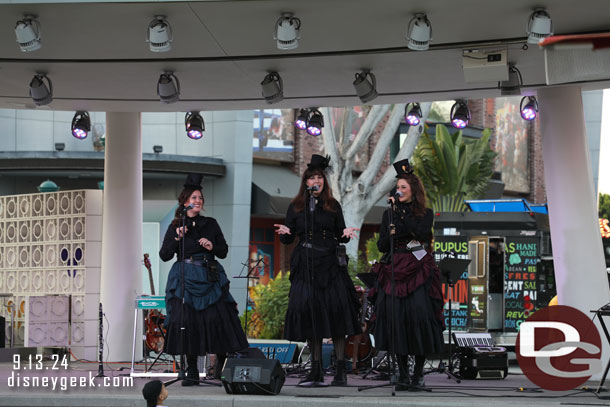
(282, 229)
(350, 232)
(206, 244)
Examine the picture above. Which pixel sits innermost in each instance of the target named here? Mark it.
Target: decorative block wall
(50, 252)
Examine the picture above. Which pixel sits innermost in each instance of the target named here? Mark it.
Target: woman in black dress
(325, 304)
(418, 323)
(210, 312)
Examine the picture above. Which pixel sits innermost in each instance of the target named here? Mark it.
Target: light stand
(392, 355)
(182, 371)
(451, 268)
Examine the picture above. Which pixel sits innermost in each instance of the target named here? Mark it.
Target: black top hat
(151, 391)
(403, 168)
(193, 181)
(319, 162)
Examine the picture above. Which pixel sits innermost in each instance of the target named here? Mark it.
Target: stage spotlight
(513, 85)
(40, 94)
(81, 125)
(529, 108)
(301, 121)
(315, 123)
(365, 89)
(287, 31)
(419, 32)
(194, 124)
(414, 116)
(539, 26)
(273, 88)
(460, 114)
(159, 35)
(168, 88)
(27, 32)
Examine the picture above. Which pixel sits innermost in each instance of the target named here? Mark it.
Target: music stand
(451, 268)
(248, 276)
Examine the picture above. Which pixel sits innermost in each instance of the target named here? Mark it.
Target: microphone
(313, 188)
(398, 194)
(186, 208)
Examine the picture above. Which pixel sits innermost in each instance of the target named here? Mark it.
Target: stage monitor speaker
(253, 376)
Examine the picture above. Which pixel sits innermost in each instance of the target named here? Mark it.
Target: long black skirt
(416, 329)
(328, 308)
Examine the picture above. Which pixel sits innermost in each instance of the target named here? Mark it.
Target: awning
(273, 187)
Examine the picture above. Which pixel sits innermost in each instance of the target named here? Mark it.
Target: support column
(122, 231)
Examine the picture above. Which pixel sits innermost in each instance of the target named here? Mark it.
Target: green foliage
(266, 321)
(453, 169)
(604, 206)
(372, 252)
(355, 266)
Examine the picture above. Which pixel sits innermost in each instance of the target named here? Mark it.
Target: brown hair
(184, 196)
(330, 203)
(418, 193)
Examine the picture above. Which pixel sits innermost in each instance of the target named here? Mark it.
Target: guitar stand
(375, 365)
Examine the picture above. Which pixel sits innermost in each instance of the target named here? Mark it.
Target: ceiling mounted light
(168, 88)
(315, 123)
(287, 32)
(273, 88)
(39, 92)
(27, 32)
(194, 125)
(365, 89)
(413, 117)
(529, 108)
(419, 32)
(539, 26)
(512, 86)
(81, 125)
(301, 121)
(159, 35)
(460, 114)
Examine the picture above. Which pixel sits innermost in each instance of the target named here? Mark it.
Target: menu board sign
(520, 271)
(447, 246)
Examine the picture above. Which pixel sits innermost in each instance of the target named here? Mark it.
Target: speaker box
(253, 376)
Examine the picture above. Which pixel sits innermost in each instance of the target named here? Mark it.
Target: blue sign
(284, 352)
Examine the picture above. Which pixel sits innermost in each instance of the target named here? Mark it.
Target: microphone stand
(392, 355)
(182, 371)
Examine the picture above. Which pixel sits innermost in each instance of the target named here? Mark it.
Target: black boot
(417, 381)
(315, 377)
(404, 381)
(340, 378)
(192, 373)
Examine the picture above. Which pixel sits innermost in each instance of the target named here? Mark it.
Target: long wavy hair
(417, 192)
(184, 196)
(330, 203)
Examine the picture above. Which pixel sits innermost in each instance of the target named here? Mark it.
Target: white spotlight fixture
(419, 32)
(287, 32)
(413, 117)
(168, 88)
(365, 89)
(273, 88)
(460, 114)
(39, 92)
(27, 32)
(512, 86)
(194, 125)
(159, 35)
(539, 26)
(529, 108)
(81, 125)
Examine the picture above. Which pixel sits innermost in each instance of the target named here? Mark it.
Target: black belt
(198, 261)
(317, 248)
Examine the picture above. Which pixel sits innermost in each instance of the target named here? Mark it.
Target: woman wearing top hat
(418, 324)
(322, 301)
(210, 312)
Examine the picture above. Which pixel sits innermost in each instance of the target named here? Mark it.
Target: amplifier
(479, 358)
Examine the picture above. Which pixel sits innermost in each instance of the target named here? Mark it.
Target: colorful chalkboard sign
(520, 272)
(446, 246)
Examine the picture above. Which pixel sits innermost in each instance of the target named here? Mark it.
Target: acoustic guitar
(359, 347)
(155, 333)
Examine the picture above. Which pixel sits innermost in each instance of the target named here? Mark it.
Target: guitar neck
(150, 276)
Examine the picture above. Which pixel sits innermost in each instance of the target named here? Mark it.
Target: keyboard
(468, 339)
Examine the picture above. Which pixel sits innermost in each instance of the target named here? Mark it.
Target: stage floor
(77, 386)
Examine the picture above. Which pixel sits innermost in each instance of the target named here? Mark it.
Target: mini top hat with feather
(319, 162)
(403, 168)
(193, 181)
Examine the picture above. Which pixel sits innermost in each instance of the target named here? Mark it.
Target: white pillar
(122, 231)
(580, 269)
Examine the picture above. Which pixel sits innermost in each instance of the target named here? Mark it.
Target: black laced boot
(314, 376)
(404, 381)
(340, 378)
(192, 373)
(417, 381)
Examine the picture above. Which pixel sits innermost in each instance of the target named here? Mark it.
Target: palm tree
(453, 169)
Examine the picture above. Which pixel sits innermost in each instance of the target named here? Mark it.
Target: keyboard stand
(600, 313)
